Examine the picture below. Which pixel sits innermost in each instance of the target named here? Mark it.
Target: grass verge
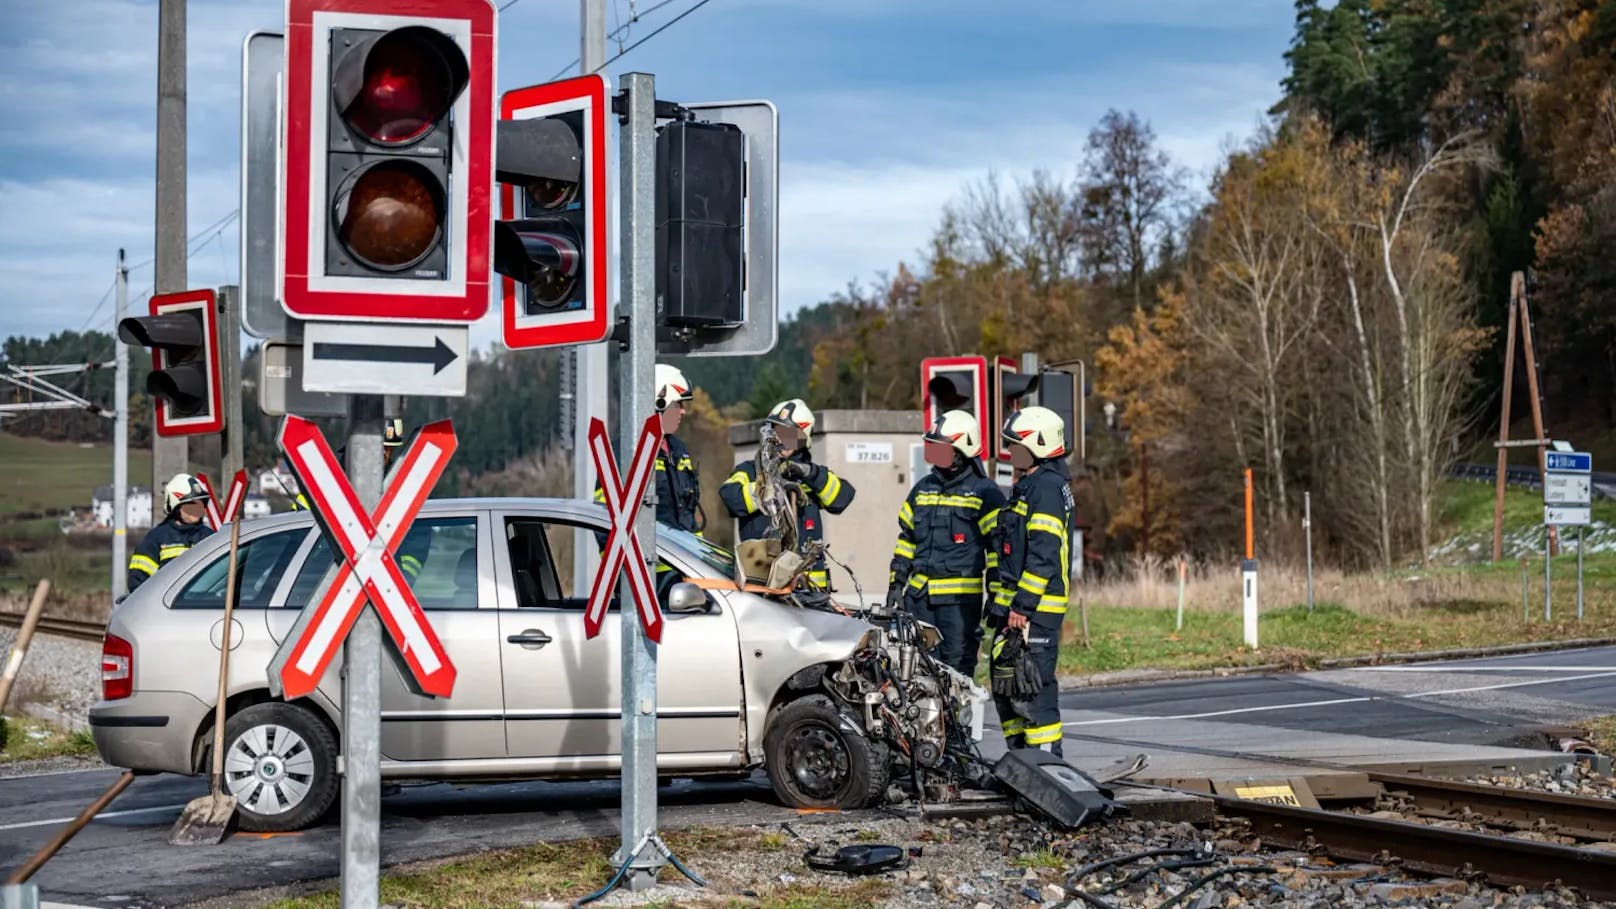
(1601, 733)
(43, 476)
(28, 739)
(567, 871)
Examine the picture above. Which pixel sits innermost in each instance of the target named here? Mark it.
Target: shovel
(204, 820)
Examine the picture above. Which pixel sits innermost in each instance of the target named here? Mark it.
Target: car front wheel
(280, 763)
(813, 761)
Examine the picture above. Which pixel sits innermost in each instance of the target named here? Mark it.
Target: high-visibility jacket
(678, 486)
(823, 491)
(1034, 540)
(945, 537)
(163, 544)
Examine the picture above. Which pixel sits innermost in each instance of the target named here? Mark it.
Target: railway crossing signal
(182, 332)
(234, 498)
(623, 543)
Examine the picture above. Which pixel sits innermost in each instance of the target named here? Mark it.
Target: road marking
(1333, 701)
(104, 814)
(1449, 667)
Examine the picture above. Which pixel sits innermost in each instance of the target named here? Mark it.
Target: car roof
(561, 508)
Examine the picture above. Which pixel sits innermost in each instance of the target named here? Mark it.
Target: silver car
(743, 680)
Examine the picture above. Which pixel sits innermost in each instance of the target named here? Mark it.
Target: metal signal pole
(588, 372)
(120, 440)
(170, 455)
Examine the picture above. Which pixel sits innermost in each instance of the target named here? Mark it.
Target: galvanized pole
(1579, 572)
(362, 687)
(589, 373)
(1548, 572)
(170, 455)
(230, 350)
(636, 366)
(1307, 528)
(120, 439)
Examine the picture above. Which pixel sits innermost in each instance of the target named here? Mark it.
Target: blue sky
(888, 108)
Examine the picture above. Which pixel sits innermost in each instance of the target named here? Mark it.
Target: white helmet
(183, 488)
(1040, 429)
(794, 413)
(671, 386)
(959, 429)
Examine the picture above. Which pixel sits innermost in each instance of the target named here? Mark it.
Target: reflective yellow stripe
(686, 464)
(1003, 596)
(142, 564)
(1019, 508)
(1043, 735)
(906, 516)
(947, 501)
(819, 578)
(1056, 604)
(1047, 523)
(989, 522)
(600, 496)
(1033, 583)
(171, 551)
(661, 466)
(993, 559)
(410, 565)
(918, 582)
(1014, 725)
(904, 550)
(954, 586)
(745, 482)
(833, 487)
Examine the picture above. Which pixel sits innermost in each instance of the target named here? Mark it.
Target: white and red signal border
(220, 514)
(205, 303)
(931, 367)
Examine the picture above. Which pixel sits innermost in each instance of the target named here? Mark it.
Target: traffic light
(1009, 387)
(1057, 390)
(700, 224)
(958, 383)
(184, 382)
(389, 138)
(550, 244)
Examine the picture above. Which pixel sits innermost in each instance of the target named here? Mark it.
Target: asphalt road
(123, 858)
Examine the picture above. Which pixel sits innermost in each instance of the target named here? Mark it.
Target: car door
(447, 560)
(562, 690)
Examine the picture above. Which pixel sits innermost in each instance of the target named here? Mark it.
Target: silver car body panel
(518, 710)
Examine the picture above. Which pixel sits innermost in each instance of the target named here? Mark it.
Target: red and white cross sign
(234, 498)
(368, 569)
(623, 544)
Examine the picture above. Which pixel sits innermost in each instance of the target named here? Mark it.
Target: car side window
(438, 558)
(260, 565)
(542, 555)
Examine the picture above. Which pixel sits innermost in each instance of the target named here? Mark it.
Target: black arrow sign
(439, 355)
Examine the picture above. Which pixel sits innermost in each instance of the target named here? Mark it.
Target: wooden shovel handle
(224, 655)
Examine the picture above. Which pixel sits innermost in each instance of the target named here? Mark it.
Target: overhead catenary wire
(618, 32)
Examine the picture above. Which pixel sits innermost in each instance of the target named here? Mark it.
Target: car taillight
(117, 668)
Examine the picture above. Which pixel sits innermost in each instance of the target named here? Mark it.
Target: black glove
(1012, 671)
(894, 599)
(799, 471)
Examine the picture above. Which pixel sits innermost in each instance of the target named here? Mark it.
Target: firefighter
(678, 482)
(945, 544)
(1034, 542)
(816, 488)
(182, 528)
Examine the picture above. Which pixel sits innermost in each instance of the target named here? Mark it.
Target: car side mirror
(684, 597)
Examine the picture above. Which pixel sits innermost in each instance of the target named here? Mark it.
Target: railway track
(63, 628)
(1487, 852)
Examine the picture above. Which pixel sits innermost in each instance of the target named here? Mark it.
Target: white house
(277, 482)
(138, 510)
(255, 507)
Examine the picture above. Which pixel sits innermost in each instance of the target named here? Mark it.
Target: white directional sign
(1567, 488)
(374, 359)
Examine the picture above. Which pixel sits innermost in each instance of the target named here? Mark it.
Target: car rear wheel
(280, 763)
(813, 761)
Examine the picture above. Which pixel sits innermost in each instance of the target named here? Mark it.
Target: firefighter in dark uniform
(1034, 541)
(945, 540)
(678, 482)
(182, 528)
(817, 488)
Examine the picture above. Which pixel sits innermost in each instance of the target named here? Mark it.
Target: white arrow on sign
(1567, 489)
(1561, 515)
(369, 358)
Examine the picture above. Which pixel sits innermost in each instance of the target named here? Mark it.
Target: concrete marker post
(1579, 572)
(1183, 569)
(1548, 577)
(1307, 531)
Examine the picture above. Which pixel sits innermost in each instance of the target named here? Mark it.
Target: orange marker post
(1248, 576)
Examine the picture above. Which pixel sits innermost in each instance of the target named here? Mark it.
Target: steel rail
(1578, 816)
(65, 628)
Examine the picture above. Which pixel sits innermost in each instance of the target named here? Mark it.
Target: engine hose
(1205, 879)
(1169, 865)
(1087, 870)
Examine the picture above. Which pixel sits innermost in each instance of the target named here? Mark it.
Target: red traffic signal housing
(182, 332)
(389, 127)
(550, 241)
(958, 383)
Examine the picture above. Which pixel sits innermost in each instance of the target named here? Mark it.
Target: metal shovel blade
(204, 821)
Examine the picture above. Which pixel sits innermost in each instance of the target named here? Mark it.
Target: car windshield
(717, 558)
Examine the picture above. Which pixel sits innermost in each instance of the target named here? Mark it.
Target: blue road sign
(1570, 461)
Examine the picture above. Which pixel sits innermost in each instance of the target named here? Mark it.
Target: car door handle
(530, 639)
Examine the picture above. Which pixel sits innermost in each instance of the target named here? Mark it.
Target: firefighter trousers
(960, 624)
(1035, 722)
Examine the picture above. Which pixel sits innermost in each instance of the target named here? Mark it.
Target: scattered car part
(1067, 796)
(859, 859)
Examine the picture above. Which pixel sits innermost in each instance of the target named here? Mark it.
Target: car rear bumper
(151, 730)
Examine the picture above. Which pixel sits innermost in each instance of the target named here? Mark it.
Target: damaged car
(840, 709)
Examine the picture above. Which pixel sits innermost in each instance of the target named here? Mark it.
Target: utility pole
(170, 455)
(231, 459)
(589, 361)
(120, 439)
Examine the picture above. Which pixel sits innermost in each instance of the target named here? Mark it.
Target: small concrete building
(255, 506)
(137, 511)
(880, 453)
